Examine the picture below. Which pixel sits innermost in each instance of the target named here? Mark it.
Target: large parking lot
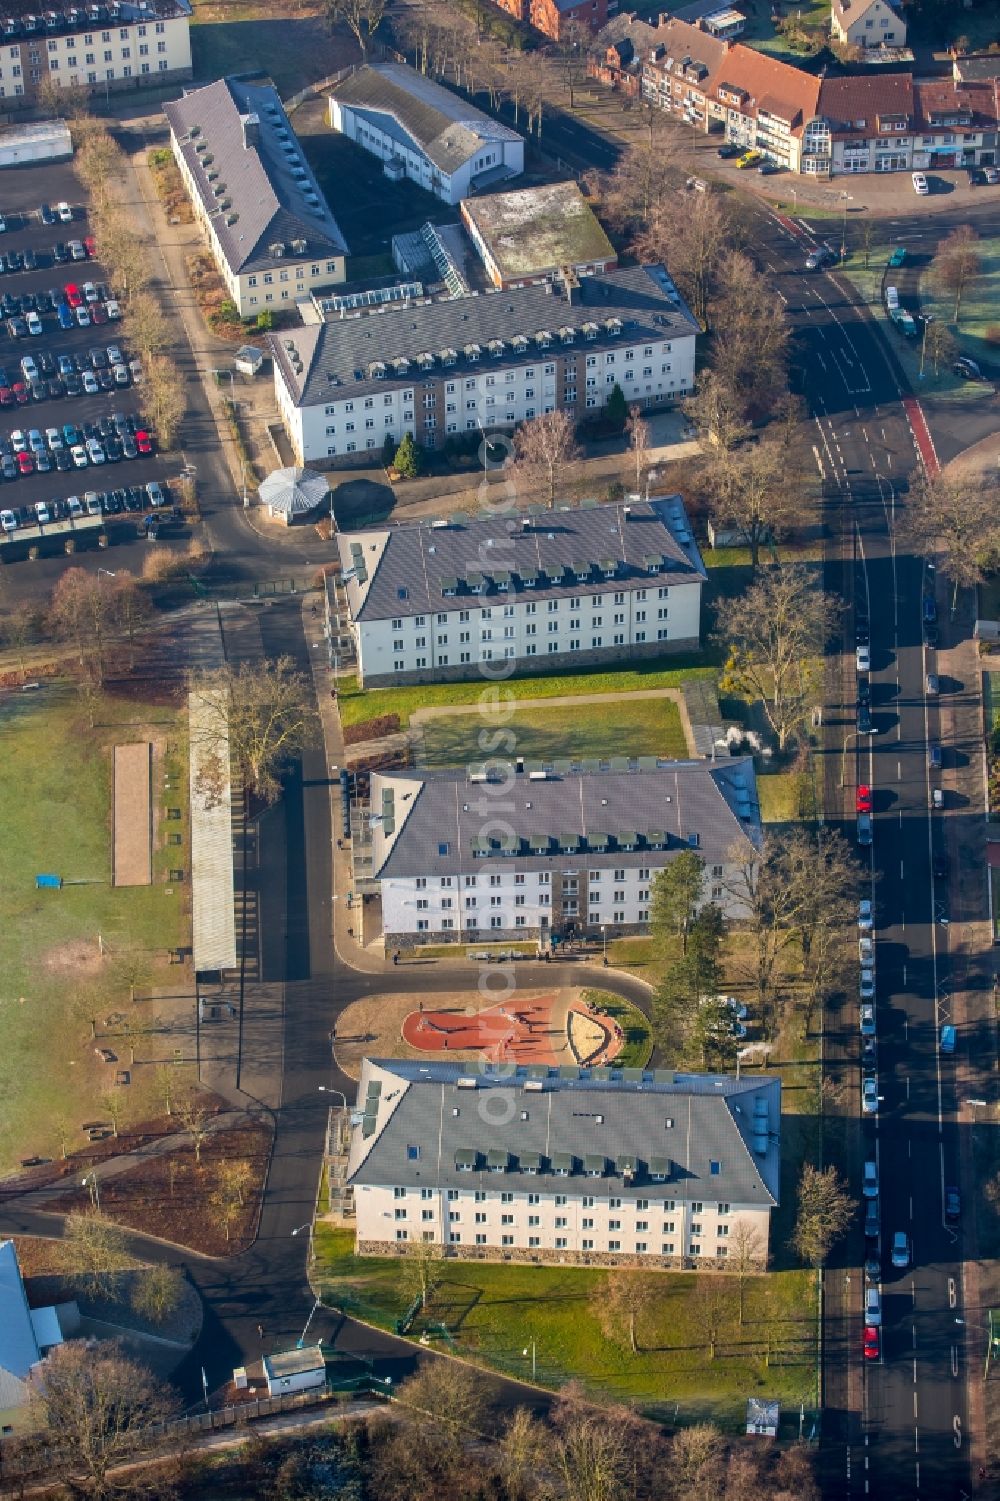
(75, 381)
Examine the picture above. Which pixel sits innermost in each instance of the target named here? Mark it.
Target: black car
(952, 1206)
(63, 461)
(46, 363)
(106, 427)
(59, 253)
(865, 726)
(18, 328)
(115, 504)
(864, 691)
(15, 260)
(28, 304)
(73, 384)
(38, 391)
(931, 634)
(768, 169)
(105, 380)
(137, 499)
(727, 150)
(98, 359)
(55, 388)
(30, 260)
(10, 304)
(113, 450)
(46, 215)
(129, 447)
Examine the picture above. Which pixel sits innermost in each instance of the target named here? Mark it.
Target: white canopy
(293, 492)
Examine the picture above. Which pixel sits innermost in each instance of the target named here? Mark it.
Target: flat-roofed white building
(423, 131)
(434, 601)
(536, 232)
(597, 1167)
(270, 229)
(514, 850)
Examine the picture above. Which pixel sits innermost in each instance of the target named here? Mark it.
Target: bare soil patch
(78, 956)
(132, 857)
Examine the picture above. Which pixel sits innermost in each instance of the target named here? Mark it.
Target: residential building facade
(597, 1167)
(127, 44)
(533, 233)
(423, 131)
(555, 18)
(433, 602)
(511, 851)
(457, 365)
(271, 231)
(867, 23)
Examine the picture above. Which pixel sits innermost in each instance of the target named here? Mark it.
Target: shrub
(265, 321)
(408, 460)
(371, 729)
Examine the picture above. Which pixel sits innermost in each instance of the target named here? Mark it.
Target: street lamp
(91, 1182)
(604, 940)
(847, 198)
(928, 320)
(851, 735)
(530, 1349)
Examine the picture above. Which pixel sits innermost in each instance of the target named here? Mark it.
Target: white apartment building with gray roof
(453, 599)
(596, 1167)
(514, 850)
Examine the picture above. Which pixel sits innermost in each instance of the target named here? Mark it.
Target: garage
(45, 141)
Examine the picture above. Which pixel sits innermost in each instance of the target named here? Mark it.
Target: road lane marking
(954, 1360)
(914, 1404)
(952, 1294)
(913, 1331)
(914, 1370)
(956, 1428)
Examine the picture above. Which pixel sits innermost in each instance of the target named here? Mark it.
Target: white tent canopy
(293, 492)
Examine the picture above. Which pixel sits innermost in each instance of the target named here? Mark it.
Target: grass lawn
(492, 1310)
(55, 815)
(292, 47)
(761, 34)
(638, 1034)
(785, 796)
(641, 727)
(357, 706)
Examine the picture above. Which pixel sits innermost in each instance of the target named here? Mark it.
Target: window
(560, 1242)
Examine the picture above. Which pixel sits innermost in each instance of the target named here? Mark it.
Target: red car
(143, 442)
(98, 313)
(871, 1342)
(864, 799)
(7, 398)
(25, 463)
(20, 391)
(73, 294)
(90, 245)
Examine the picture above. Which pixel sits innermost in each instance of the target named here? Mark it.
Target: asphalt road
(912, 1437)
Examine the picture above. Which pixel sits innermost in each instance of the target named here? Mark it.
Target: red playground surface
(544, 1029)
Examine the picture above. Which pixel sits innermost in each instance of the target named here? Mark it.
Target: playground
(561, 1026)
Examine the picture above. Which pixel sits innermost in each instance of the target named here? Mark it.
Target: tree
(452, 1395)
(522, 1451)
(420, 1270)
(675, 1006)
(388, 451)
(638, 435)
(157, 1291)
(93, 1247)
(81, 611)
(713, 1300)
(775, 632)
(543, 448)
(958, 517)
(115, 1106)
(674, 897)
(595, 1451)
(261, 714)
(225, 1209)
(750, 333)
(97, 1407)
(745, 1254)
(362, 18)
(620, 1299)
(615, 409)
(824, 1213)
(571, 52)
(716, 412)
(165, 398)
(692, 243)
(236, 1179)
(166, 1086)
(409, 458)
(704, 939)
(939, 344)
(62, 100)
(756, 490)
(643, 178)
(957, 262)
(130, 608)
(144, 326)
(697, 1458)
(19, 629)
(196, 1120)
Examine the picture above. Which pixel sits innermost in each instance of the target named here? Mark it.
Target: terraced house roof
(447, 129)
(398, 345)
(628, 1132)
(252, 179)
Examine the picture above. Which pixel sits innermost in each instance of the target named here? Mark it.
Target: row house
(556, 18)
(511, 851)
(571, 1165)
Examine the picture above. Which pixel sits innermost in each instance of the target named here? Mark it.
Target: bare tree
(957, 516)
(63, 100)
(717, 412)
(750, 342)
(745, 1248)
(266, 711)
(165, 398)
(236, 1179)
(157, 1291)
(825, 1211)
(97, 1407)
(958, 261)
(196, 1120)
(81, 611)
(714, 1302)
(775, 632)
(166, 1086)
(756, 490)
(115, 1105)
(543, 448)
(697, 1462)
(595, 1450)
(453, 1396)
(130, 608)
(522, 1452)
(362, 18)
(643, 178)
(93, 1247)
(692, 241)
(620, 1299)
(939, 344)
(571, 53)
(144, 325)
(637, 429)
(420, 1271)
(19, 629)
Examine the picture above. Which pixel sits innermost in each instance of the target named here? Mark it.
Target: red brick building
(552, 17)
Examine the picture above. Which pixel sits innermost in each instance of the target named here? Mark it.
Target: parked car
(8, 521)
(949, 1037)
(932, 684)
(869, 1095)
(155, 492)
(90, 245)
(728, 150)
(869, 1180)
(863, 658)
(76, 250)
(749, 159)
(866, 950)
(898, 257)
(920, 184)
(43, 513)
(867, 1016)
(952, 1205)
(864, 829)
(967, 369)
(82, 317)
(863, 798)
(73, 294)
(901, 1249)
(46, 215)
(873, 1306)
(143, 441)
(870, 1343)
(65, 315)
(866, 725)
(866, 985)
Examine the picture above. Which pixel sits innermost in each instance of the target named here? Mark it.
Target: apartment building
(867, 23)
(680, 70)
(555, 18)
(434, 601)
(508, 850)
(423, 131)
(619, 52)
(598, 1167)
(535, 233)
(455, 365)
(122, 45)
(270, 229)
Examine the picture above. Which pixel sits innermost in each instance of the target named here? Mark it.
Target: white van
(892, 299)
(873, 1306)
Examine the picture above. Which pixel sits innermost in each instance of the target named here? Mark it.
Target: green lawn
(785, 796)
(357, 706)
(638, 1033)
(641, 727)
(55, 817)
(494, 1310)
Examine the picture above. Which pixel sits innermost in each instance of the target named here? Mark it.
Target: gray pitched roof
(18, 1346)
(447, 128)
(586, 812)
(714, 1137)
(339, 358)
(269, 186)
(409, 568)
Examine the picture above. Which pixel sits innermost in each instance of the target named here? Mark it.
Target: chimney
(251, 130)
(571, 286)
